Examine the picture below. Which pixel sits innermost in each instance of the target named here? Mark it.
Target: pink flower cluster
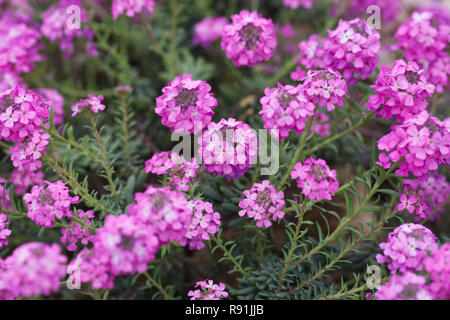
(209, 30)
(401, 92)
(56, 25)
(132, 7)
(180, 172)
(249, 39)
(428, 194)
(424, 39)
(326, 88)
(320, 125)
(228, 148)
(207, 290)
(407, 247)
(422, 143)
(23, 179)
(55, 101)
(315, 179)
(128, 242)
(125, 244)
(438, 268)
(167, 211)
(407, 286)
(92, 102)
(205, 223)
(262, 203)
(75, 231)
(22, 112)
(34, 268)
(19, 48)
(352, 49)
(4, 203)
(286, 108)
(389, 9)
(47, 201)
(294, 4)
(186, 105)
(4, 232)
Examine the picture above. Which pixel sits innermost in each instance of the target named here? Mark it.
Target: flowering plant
(212, 150)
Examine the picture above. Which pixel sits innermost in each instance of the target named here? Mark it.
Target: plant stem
(104, 157)
(340, 135)
(158, 286)
(125, 130)
(230, 257)
(347, 220)
(294, 241)
(298, 153)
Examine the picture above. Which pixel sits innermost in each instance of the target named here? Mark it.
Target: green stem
(298, 153)
(158, 286)
(75, 186)
(125, 130)
(104, 157)
(230, 257)
(340, 135)
(294, 241)
(347, 220)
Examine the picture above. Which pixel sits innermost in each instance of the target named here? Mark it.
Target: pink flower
(407, 247)
(228, 148)
(326, 88)
(56, 25)
(74, 231)
(315, 179)
(286, 108)
(186, 105)
(438, 267)
(34, 268)
(431, 191)
(125, 244)
(204, 224)
(401, 92)
(352, 49)
(209, 30)
(5, 204)
(21, 113)
(408, 286)
(421, 144)
(207, 290)
(249, 39)
(320, 125)
(22, 179)
(55, 101)
(358, 8)
(294, 4)
(167, 211)
(181, 172)
(131, 7)
(19, 48)
(92, 102)
(262, 203)
(48, 201)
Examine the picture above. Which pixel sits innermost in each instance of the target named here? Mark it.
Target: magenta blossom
(315, 179)
(262, 203)
(207, 290)
(249, 39)
(186, 105)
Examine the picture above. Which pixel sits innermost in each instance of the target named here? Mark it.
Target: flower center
(250, 34)
(158, 201)
(359, 29)
(412, 77)
(186, 98)
(284, 99)
(126, 243)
